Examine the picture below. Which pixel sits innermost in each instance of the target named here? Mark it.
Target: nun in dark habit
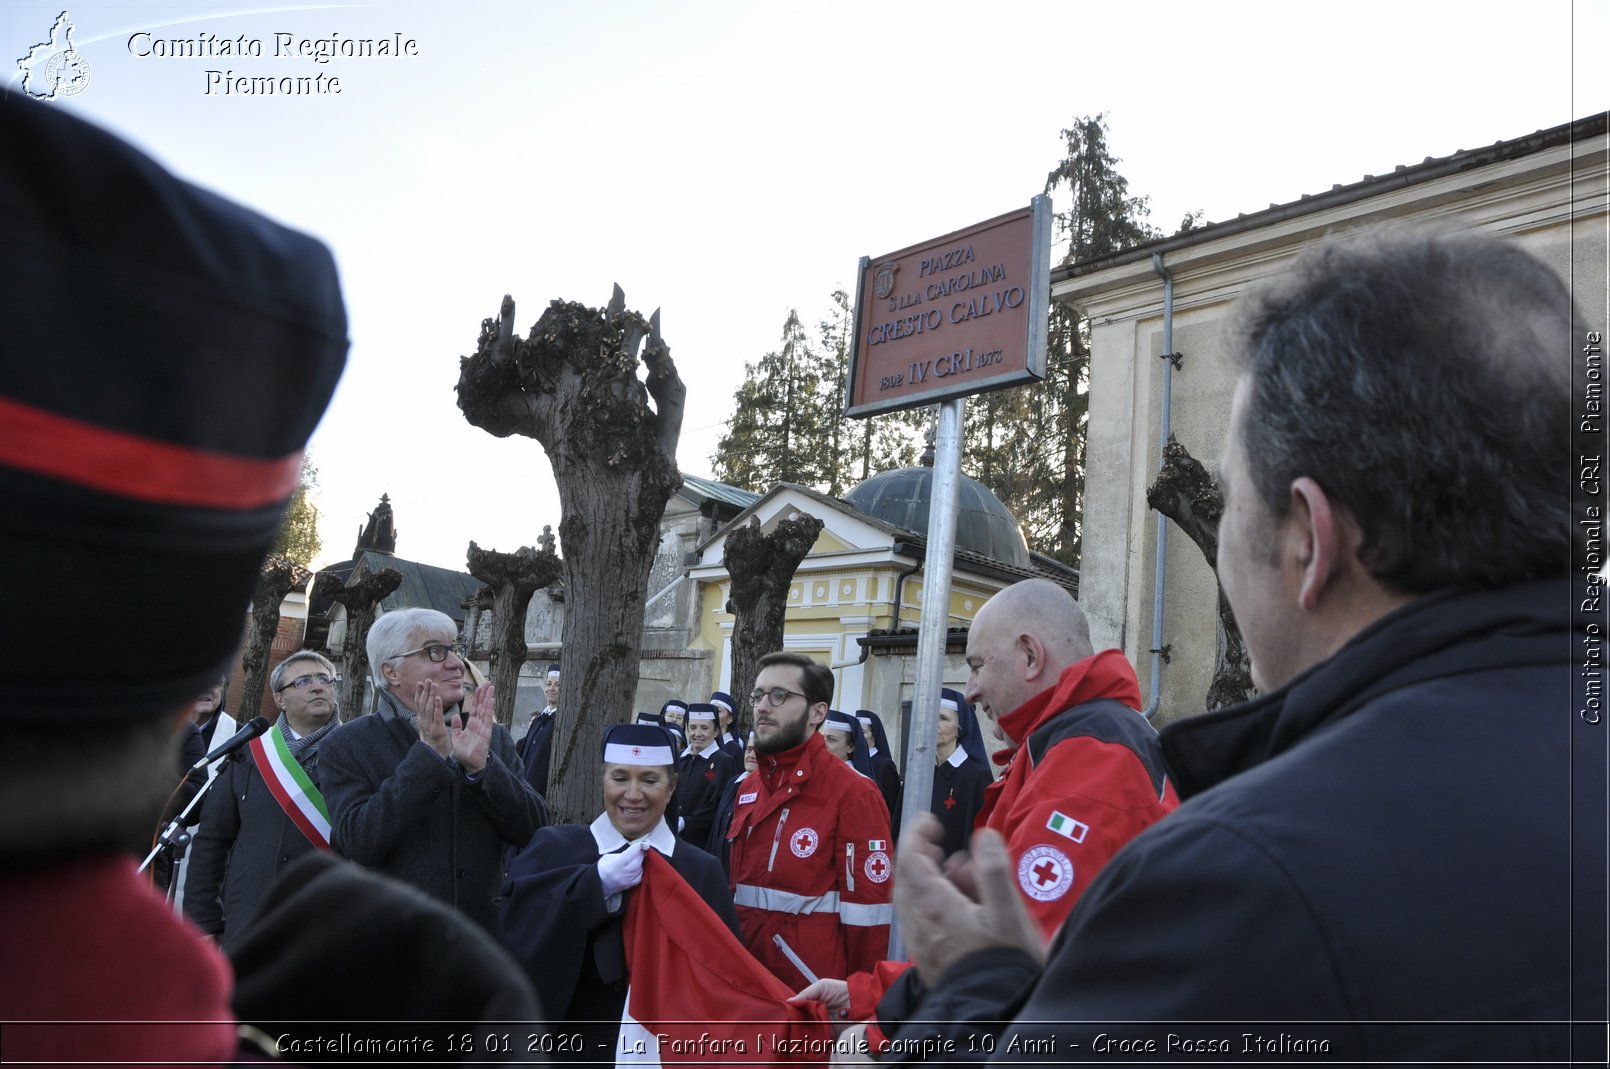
(718, 845)
(565, 893)
(961, 770)
(884, 770)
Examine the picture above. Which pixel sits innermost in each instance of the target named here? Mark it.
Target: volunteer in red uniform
(811, 858)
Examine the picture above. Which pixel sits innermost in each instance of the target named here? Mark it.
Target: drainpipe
(899, 590)
(1159, 651)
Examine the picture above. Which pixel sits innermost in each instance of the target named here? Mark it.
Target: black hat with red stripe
(168, 354)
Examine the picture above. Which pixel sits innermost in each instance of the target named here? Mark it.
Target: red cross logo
(710, 774)
(637, 751)
(877, 866)
(950, 801)
(1045, 873)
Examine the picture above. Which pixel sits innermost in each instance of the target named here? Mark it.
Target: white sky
(727, 161)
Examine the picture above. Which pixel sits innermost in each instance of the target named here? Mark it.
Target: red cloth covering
(697, 997)
(98, 970)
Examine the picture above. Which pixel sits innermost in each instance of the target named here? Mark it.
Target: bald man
(1084, 774)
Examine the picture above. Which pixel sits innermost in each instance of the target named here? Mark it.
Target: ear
(389, 673)
(1315, 529)
(818, 714)
(1033, 651)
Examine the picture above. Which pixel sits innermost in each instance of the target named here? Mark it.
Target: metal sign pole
(934, 624)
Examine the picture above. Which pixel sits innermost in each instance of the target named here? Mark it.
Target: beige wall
(1553, 201)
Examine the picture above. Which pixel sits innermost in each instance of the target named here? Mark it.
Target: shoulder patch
(1044, 873)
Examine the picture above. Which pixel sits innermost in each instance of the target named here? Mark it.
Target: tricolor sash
(291, 787)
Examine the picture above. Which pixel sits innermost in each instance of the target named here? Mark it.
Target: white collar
(957, 757)
(873, 752)
(610, 840)
(548, 710)
(706, 752)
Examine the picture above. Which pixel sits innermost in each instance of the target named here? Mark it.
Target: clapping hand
(946, 917)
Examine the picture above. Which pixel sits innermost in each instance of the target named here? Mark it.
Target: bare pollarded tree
(1187, 493)
(275, 579)
(762, 567)
(512, 578)
(572, 384)
(360, 598)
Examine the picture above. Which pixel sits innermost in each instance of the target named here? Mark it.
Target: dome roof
(983, 524)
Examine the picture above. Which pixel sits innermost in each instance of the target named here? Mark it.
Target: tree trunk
(1186, 493)
(275, 579)
(513, 578)
(477, 604)
(360, 599)
(572, 384)
(762, 567)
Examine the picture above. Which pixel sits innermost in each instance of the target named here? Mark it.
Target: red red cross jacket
(1087, 777)
(812, 862)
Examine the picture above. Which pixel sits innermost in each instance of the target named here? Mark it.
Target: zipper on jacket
(849, 867)
(777, 838)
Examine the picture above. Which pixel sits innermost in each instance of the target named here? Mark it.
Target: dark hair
(817, 682)
(121, 773)
(1425, 383)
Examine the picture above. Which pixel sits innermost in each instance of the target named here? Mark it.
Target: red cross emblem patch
(877, 867)
(804, 842)
(1044, 873)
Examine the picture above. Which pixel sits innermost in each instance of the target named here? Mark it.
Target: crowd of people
(1398, 839)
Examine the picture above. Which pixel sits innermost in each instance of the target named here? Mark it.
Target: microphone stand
(175, 838)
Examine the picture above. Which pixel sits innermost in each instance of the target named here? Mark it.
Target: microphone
(256, 726)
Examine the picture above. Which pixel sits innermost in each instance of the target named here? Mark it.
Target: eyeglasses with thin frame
(436, 651)
(773, 697)
(307, 681)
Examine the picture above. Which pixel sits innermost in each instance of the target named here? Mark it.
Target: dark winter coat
(398, 807)
(1412, 831)
(244, 840)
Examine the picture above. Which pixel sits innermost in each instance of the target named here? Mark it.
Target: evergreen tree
(1027, 444)
(773, 434)
(298, 538)
(788, 422)
(857, 449)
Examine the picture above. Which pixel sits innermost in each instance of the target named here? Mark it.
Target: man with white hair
(428, 789)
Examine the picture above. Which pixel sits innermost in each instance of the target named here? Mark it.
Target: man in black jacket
(263, 813)
(427, 789)
(1404, 836)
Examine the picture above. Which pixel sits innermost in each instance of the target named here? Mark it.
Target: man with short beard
(811, 857)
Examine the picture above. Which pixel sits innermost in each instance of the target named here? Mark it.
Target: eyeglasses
(773, 697)
(435, 651)
(307, 681)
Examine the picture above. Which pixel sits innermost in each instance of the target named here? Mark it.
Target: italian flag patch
(1067, 827)
(877, 844)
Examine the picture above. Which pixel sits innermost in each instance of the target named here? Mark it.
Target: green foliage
(788, 423)
(298, 537)
(1026, 444)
